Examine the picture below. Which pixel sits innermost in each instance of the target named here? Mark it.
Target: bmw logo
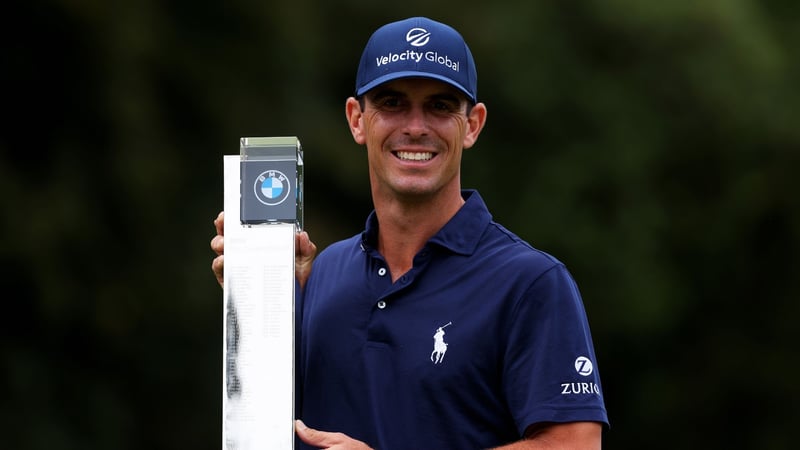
(272, 188)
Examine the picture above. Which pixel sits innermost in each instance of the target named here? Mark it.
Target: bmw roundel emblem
(272, 188)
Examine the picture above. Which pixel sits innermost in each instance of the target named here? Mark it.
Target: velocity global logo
(272, 188)
(418, 37)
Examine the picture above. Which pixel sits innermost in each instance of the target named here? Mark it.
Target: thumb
(325, 439)
(300, 426)
(308, 435)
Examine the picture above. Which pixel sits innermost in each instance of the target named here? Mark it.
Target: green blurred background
(650, 145)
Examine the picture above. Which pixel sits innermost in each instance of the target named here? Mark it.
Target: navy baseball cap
(417, 47)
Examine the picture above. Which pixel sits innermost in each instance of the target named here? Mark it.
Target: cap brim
(411, 74)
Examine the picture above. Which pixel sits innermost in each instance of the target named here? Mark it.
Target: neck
(407, 224)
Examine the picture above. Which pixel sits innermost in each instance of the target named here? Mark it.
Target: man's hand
(327, 440)
(304, 252)
(218, 245)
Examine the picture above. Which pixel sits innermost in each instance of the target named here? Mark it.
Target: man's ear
(354, 115)
(475, 122)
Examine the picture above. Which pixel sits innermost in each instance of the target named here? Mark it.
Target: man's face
(415, 130)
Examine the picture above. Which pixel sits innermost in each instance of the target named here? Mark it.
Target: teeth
(415, 156)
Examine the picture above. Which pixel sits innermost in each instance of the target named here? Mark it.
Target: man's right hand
(304, 253)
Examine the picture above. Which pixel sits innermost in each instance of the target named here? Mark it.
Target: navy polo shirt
(482, 338)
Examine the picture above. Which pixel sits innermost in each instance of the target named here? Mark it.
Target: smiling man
(372, 370)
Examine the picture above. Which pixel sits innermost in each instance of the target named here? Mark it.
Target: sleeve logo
(584, 367)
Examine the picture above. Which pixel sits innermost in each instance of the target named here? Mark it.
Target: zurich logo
(584, 366)
(418, 37)
(272, 188)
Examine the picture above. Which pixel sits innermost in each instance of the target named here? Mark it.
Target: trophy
(263, 202)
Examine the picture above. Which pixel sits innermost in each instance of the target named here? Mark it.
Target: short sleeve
(550, 368)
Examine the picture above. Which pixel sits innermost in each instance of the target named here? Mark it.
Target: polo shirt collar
(460, 234)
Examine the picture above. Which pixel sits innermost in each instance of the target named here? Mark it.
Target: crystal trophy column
(263, 210)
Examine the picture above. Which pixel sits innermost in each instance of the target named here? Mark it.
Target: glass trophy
(272, 180)
(263, 211)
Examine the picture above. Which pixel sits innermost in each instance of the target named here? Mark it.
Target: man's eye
(390, 102)
(444, 106)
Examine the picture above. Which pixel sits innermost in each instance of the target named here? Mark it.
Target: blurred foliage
(651, 146)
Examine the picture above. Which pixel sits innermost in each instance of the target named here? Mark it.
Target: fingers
(217, 266)
(305, 250)
(219, 223)
(218, 245)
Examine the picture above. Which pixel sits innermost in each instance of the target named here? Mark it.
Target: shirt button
(381, 304)
(382, 271)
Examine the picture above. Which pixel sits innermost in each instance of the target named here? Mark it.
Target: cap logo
(418, 37)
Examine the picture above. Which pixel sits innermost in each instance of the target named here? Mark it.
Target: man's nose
(416, 122)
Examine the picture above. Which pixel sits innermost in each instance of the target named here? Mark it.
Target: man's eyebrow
(447, 96)
(441, 96)
(385, 92)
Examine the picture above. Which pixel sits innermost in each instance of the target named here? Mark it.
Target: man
(520, 370)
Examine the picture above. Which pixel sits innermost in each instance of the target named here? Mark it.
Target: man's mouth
(414, 156)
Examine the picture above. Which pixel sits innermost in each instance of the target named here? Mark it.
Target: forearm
(562, 436)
